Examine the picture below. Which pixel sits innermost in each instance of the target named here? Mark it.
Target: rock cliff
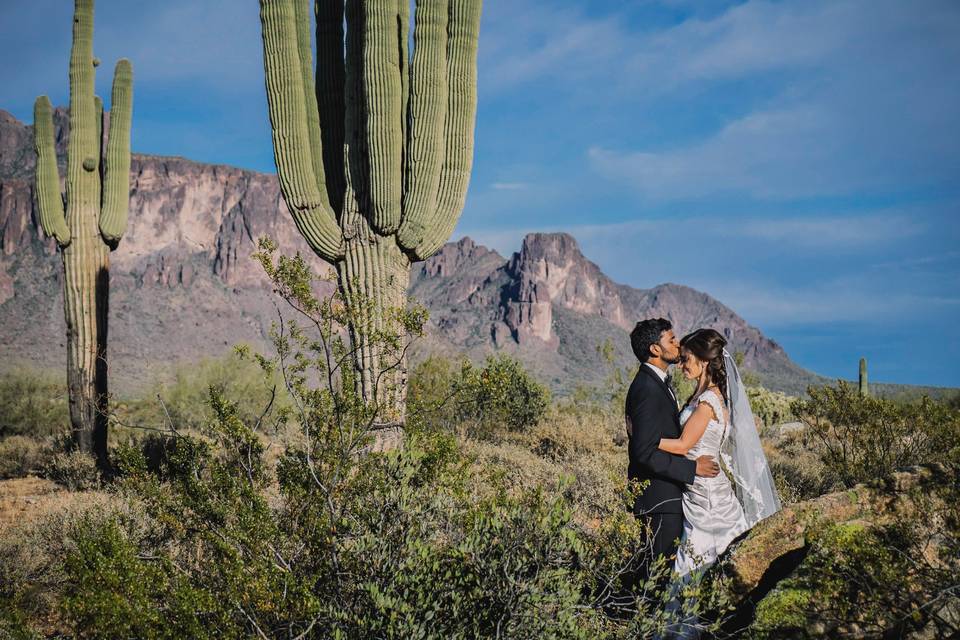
(551, 306)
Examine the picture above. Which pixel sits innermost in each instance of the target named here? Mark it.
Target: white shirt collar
(660, 372)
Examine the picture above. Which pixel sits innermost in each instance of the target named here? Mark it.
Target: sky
(799, 161)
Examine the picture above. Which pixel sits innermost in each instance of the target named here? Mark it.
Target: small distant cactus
(97, 198)
(864, 388)
(373, 147)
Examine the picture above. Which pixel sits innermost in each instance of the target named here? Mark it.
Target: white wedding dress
(712, 515)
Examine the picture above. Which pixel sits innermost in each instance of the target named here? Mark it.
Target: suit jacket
(651, 413)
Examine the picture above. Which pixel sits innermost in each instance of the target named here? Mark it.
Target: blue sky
(800, 161)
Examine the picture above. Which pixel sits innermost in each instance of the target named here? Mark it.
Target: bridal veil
(743, 455)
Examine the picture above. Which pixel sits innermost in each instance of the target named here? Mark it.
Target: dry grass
(22, 499)
(568, 450)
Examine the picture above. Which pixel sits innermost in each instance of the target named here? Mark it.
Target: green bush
(181, 401)
(34, 550)
(864, 438)
(771, 407)
(21, 456)
(75, 470)
(499, 396)
(431, 402)
(500, 393)
(32, 403)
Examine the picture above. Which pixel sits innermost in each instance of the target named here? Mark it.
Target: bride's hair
(707, 345)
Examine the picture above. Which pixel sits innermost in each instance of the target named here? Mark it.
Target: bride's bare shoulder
(710, 397)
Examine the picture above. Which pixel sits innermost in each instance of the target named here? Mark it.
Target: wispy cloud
(527, 41)
(866, 232)
(508, 186)
(175, 43)
(737, 258)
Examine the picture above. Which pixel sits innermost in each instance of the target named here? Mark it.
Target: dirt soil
(22, 498)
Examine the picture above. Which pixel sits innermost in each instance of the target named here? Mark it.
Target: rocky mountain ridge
(548, 298)
(184, 285)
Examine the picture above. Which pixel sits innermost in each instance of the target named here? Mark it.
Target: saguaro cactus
(864, 386)
(97, 197)
(373, 148)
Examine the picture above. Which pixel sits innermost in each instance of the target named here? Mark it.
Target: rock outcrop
(777, 547)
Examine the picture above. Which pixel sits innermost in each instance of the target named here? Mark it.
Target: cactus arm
(49, 199)
(82, 149)
(329, 92)
(291, 136)
(116, 178)
(463, 35)
(428, 108)
(403, 44)
(305, 55)
(383, 97)
(355, 166)
(98, 118)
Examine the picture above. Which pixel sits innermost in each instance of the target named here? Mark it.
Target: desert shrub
(75, 470)
(431, 402)
(181, 400)
(874, 581)
(32, 403)
(500, 395)
(863, 437)
(502, 392)
(797, 463)
(21, 456)
(770, 407)
(34, 550)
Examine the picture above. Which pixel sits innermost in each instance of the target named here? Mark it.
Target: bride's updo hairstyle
(707, 345)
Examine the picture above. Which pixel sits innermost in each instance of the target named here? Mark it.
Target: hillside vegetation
(247, 501)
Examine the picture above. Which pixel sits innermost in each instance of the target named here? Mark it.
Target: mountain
(183, 284)
(551, 307)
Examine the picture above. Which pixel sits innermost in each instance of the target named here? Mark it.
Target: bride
(717, 421)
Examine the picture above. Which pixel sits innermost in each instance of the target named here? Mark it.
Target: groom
(651, 414)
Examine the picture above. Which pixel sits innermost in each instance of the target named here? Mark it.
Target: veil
(743, 454)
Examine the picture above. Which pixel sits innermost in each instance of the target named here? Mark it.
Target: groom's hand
(707, 467)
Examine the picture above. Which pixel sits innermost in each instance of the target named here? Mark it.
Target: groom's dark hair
(646, 333)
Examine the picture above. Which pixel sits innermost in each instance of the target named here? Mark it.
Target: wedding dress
(715, 511)
(713, 517)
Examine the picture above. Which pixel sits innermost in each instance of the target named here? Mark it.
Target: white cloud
(807, 232)
(213, 45)
(840, 97)
(848, 299)
(741, 261)
(524, 41)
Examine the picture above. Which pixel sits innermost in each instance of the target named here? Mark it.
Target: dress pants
(667, 529)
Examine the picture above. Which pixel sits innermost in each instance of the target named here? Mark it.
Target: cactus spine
(864, 388)
(373, 150)
(97, 198)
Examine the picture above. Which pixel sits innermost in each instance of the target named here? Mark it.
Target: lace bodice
(709, 443)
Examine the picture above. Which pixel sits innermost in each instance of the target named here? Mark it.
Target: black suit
(652, 414)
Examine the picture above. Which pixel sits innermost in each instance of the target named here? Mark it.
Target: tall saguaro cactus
(97, 198)
(864, 385)
(374, 146)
